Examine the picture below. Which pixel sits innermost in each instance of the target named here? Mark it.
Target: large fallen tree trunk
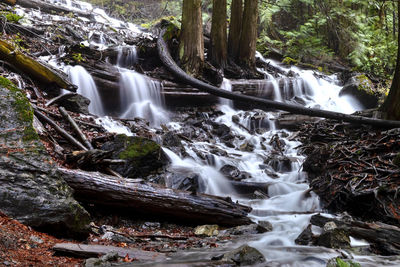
(33, 68)
(170, 64)
(152, 199)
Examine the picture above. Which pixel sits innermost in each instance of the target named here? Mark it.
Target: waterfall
(86, 87)
(227, 86)
(140, 97)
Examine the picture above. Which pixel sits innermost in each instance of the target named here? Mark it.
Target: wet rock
(206, 230)
(234, 173)
(306, 237)
(264, 226)
(336, 238)
(171, 139)
(77, 103)
(247, 147)
(104, 260)
(279, 163)
(248, 229)
(143, 155)
(220, 130)
(361, 88)
(244, 255)
(187, 182)
(31, 189)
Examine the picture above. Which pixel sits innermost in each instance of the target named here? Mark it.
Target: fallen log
(385, 238)
(33, 68)
(153, 199)
(88, 251)
(170, 64)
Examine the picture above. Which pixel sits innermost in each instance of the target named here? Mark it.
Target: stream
(251, 142)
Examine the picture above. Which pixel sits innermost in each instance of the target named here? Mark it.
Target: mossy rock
(362, 89)
(31, 189)
(143, 155)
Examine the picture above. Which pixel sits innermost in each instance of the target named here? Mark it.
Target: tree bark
(218, 50)
(391, 106)
(248, 37)
(267, 104)
(235, 29)
(153, 199)
(191, 50)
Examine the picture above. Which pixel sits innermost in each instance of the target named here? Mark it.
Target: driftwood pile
(354, 169)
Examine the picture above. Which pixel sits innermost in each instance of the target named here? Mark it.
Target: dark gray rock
(77, 103)
(170, 139)
(336, 238)
(279, 163)
(31, 189)
(244, 255)
(143, 155)
(250, 229)
(361, 88)
(306, 237)
(234, 173)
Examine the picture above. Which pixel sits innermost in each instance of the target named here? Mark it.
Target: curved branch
(170, 64)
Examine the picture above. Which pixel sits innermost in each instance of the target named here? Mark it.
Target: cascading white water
(227, 86)
(127, 59)
(140, 97)
(86, 87)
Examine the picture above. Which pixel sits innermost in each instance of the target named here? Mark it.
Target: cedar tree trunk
(391, 106)
(248, 38)
(235, 29)
(191, 50)
(218, 50)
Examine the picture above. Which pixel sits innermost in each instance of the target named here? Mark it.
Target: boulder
(361, 88)
(31, 189)
(250, 229)
(244, 255)
(335, 238)
(77, 103)
(143, 155)
(279, 163)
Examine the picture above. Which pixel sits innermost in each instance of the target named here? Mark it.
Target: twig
(59, 98)
(63, 133)
(75, 127)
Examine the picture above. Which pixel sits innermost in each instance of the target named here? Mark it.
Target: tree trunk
(105, 190)
(235, 29)
(391, 106)
(218, 49)
(267, 104)
(191, 50)
(248, 38)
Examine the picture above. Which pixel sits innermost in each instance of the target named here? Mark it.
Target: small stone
(108, 236)
(329, 226)
(36, 239)
(111, 256)
(206, 230)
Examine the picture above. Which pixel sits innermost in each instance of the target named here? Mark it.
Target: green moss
(23, 108)
(138, 147)
(290, 61)
(365, 84)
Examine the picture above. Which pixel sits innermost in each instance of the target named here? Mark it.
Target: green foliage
(77, 57)
(356, 32)
(10, 16)
(342, 263)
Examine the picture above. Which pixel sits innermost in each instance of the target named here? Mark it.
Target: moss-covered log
(36, 70)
